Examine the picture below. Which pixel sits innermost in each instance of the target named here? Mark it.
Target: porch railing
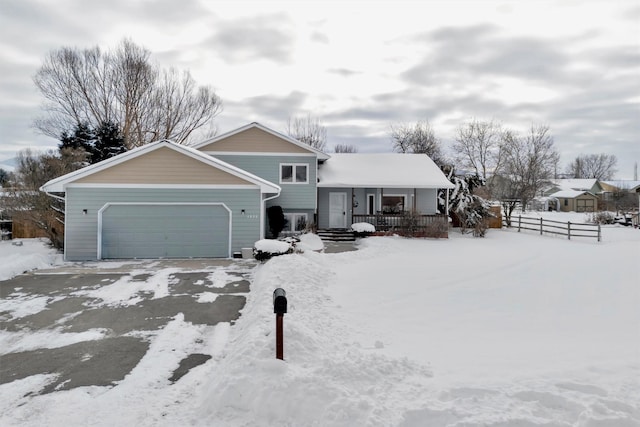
(397, 222)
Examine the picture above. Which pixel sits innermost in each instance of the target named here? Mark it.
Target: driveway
(91, 323)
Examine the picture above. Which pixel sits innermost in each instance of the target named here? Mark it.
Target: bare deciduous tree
(598, 166)
(344, 148)
(309, 130)
(419, 139)
(529, 162)
(25, 200)
(478, 147)
(123, 87)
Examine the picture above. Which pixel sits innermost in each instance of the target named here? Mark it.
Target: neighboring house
(573, 189)
(576, 201)
(593, 186)
(168, 200)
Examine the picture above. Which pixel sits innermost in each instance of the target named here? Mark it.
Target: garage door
(165, 231)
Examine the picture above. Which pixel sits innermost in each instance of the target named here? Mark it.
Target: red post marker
(279, 337)
(279, 308)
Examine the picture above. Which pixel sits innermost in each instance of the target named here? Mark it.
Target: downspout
(263, 211)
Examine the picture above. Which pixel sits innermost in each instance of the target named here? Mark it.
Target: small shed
(576, 201)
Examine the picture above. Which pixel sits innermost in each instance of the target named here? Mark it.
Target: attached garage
(191, 230)
(161, 200)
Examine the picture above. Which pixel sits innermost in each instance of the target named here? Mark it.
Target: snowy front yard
(510, 330)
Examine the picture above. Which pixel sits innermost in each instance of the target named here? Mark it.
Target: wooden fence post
(519, 220)
(569, 230)
(599, 235)
(541, 226)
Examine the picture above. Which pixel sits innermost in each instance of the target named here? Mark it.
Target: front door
(337, 210)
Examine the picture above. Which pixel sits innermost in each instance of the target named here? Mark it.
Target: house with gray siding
(166, 200)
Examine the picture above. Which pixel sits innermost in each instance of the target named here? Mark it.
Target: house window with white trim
(393, 203)
(295, 222)
(294, 173)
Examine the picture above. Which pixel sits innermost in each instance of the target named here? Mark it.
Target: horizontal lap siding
(294, 197)
(427, 201)
(81, 237)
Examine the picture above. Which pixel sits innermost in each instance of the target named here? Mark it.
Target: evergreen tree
(109, 142)
(99, 144)
(4, 177)
(470, 210)
(83, 137)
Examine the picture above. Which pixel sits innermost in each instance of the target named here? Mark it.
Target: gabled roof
(575, 184)
(623, 184)
(570, 194)
(385, 170)
(59, 184)
(321, 155)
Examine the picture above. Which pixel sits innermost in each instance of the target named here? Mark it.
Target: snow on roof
(385, 170)
(623, 184)
(569, 194)
(575, 184)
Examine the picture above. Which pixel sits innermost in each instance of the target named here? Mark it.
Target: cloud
(480, 51)
(344, 72)
(270, 110)
(253, 38)
(319, 37)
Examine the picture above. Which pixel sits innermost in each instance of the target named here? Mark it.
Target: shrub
(276, 220)
(437, 230)
(603, 217)
(267, 249)
(363, 229)
(410, 223)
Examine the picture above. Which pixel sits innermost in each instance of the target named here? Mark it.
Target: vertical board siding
(293, 196)
(82, 230)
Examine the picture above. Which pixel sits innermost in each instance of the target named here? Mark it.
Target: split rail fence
(569, 229)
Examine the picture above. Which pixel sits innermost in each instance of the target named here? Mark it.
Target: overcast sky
(361, 66)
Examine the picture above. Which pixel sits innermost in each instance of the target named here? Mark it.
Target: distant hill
(8, 164)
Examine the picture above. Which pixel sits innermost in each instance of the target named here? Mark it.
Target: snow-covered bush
(472, 211)
(267, 248)
(363, 229)
(309, 242)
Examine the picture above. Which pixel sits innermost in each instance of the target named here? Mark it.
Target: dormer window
(294, 173)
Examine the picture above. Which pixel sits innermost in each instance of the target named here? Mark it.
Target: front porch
(403, 222)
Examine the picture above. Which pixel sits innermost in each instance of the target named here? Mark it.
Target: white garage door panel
(159, 231)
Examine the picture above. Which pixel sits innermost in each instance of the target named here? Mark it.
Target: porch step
(336, 235)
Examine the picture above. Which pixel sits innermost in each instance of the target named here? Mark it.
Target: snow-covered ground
(20, 255)
(514, 329)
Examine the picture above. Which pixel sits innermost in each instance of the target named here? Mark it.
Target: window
(294, 173)
(393, 204)
(371, 204)
(295, 222)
